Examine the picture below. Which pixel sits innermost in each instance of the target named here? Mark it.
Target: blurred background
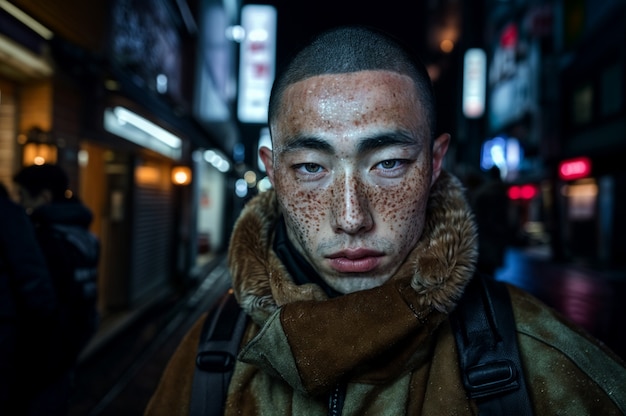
(156, 109)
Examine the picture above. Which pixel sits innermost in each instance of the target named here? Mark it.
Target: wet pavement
(119, 378)
(594, 299)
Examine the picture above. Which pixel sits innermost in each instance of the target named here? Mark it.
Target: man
(350, 267)
(72, 253)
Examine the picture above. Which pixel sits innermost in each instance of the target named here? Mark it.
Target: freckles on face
(303, 209)
(351, 169)
(401, 208)
(325, 103)
(397, 212)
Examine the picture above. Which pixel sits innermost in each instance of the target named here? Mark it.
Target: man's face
(352, 169)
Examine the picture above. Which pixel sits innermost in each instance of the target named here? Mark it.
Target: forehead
(349, 104)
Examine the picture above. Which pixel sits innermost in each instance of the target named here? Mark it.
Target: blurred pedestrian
(490, 204)
(472, 179)
(72, 254)
(27, 309)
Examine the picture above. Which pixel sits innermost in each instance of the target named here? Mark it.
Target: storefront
(26, 99)
(592, 172)
(111, 103)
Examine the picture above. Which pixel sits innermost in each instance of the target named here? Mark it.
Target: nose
(350, 208)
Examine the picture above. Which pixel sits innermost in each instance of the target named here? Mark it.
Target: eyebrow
(365, 145)
(306, 142)
(396, 138)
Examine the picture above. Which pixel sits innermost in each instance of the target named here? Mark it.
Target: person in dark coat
(28, 303)
(491, 207)
(72, 253)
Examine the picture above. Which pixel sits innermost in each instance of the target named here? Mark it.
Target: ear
(266, 155)
(440, 147)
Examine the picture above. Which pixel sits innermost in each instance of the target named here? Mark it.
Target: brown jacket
(392, 345)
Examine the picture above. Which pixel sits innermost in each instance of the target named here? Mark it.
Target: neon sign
(577, 168)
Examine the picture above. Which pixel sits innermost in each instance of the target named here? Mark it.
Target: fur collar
(439, 266)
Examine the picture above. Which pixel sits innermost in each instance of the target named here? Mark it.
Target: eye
(308, 168)
(391, 168)
(391, 164)
(309, 172)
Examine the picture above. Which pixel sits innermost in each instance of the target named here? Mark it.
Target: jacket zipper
(336, 400)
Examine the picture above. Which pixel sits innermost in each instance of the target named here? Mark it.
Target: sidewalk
(594, 299)
(118, 377)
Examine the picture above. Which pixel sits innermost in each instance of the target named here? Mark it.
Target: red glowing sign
(509, 36)
(575, 168)
(522, 191)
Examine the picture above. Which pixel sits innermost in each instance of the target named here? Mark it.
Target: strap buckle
(215, 361)
(493, 377)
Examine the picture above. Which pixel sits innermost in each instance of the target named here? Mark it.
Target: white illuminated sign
(474, 79)
(256, 62)
(131, 126)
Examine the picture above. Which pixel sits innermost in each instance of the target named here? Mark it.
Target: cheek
(402, 207)
(304, 210)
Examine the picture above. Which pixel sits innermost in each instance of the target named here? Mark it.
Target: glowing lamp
(181, 175)
(39, 153)
(577, 168)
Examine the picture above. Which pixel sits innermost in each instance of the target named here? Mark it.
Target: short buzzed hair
(351, 49)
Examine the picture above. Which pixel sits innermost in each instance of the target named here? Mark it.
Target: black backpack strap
(485, 333)
(217, 352)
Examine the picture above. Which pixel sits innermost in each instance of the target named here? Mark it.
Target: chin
(347, 285)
